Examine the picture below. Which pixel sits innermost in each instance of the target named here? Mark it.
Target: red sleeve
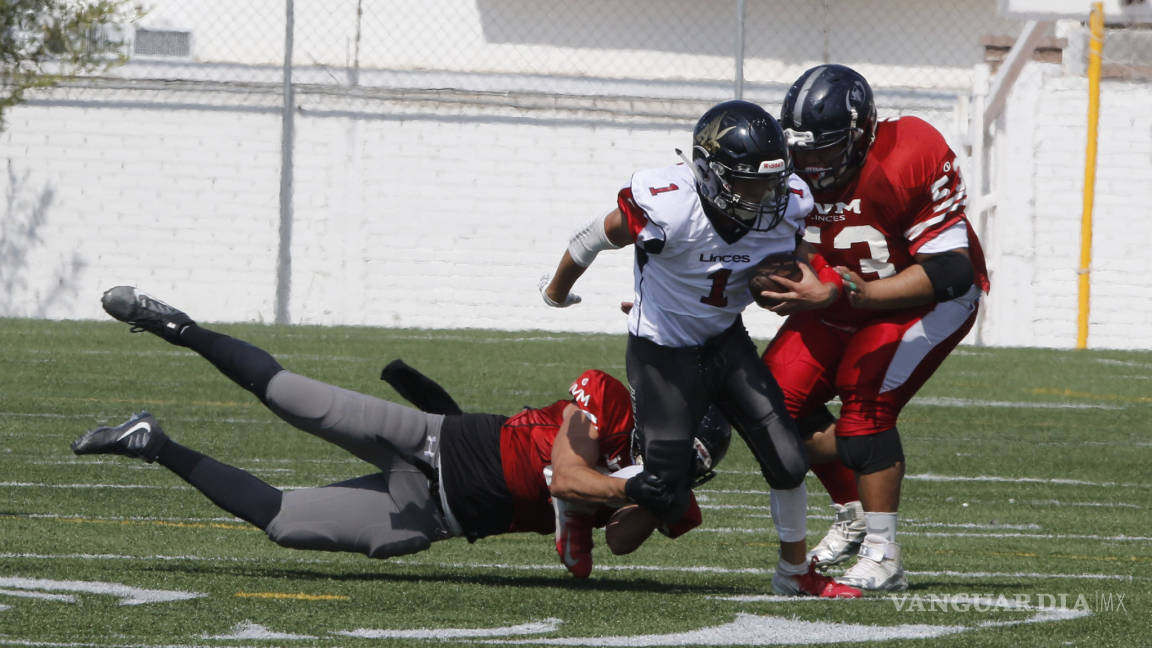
(929, 179)
(610, 405)
(633, 214)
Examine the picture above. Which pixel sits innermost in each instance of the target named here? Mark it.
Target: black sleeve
(420, 390)
(951, 274)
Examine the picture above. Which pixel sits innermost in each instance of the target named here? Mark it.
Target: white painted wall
(103, 195)
(442, 209)
(438, 220)
(441, 217)
(1034, 235)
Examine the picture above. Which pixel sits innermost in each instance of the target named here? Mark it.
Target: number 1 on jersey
(716, 296)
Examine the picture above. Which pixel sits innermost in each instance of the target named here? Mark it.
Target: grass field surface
(1025, 517)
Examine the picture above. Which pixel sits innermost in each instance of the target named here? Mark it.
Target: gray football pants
(393, 512)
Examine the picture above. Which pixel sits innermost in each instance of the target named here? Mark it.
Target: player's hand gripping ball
(783, 264)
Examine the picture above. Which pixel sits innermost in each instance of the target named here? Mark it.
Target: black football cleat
(145, 313)
(139, 437)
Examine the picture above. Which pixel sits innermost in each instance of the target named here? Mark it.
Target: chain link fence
(346, 55)
(669, 48)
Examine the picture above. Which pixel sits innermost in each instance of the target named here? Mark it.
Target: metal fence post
(287, 137)
(739, 89)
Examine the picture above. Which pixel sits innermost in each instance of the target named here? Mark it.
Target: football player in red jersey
(699, 229)
(441, 473)
(889, 217)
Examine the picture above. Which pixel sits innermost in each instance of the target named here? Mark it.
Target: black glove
(420, 390)
(649, 491)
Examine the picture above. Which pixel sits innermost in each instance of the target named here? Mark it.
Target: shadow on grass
(607, 582)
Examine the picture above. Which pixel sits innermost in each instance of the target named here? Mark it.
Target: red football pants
(875, 368)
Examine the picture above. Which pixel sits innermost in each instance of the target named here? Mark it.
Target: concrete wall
(429, 215)
(431, 220)
(1034, 237)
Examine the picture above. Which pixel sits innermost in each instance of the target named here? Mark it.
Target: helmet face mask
(756, 200)
(826, 165)
(829, 117)
(742, 164)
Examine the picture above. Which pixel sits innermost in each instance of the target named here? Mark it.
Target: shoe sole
(120, 303)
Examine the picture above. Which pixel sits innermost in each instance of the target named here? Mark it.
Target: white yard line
(936, 477)
(1056, 481)
(176, 487)
(122, 518)
(127, 594)
(89, 486)
(703, 495)
(701, 569)
(62, 598)
(943, 401)
(958, 534)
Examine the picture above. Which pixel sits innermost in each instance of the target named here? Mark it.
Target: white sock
(790, 513)
(881, 525)
(785, 567)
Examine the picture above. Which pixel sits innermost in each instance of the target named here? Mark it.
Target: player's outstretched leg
(809, 582)
(248, 366)
(139, 437)
(232, 489)
(145, 313)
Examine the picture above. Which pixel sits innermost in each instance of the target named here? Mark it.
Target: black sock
(248, 366)
(234, 490)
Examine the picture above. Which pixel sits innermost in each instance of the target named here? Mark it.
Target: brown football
(628, 528)
(782, 264)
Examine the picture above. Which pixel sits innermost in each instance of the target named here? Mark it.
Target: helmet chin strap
(691, 166)
(702, 181)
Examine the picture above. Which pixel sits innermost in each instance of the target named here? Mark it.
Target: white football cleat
(844, 537)
(879, 568)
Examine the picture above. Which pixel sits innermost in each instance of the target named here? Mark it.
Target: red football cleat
(812, 583)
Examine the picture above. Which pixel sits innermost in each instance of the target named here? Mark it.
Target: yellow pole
(1096, 24)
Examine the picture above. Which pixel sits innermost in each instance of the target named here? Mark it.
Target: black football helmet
(829, 116)
(709, 445)
(741, 162)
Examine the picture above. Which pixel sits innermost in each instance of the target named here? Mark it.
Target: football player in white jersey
(699, 228)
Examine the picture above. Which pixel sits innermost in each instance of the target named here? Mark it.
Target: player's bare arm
(607, 232)
(557, 291)
(810, 292)
(574, 457)
(933, 278)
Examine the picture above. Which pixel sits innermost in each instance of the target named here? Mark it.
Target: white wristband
(589, 241)
(627, 472)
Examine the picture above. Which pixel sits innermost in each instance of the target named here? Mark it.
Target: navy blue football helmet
(742, 165)
(829, 116)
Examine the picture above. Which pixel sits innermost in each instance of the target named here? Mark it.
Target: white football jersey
(690, 285)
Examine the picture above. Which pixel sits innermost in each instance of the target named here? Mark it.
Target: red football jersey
(908, 192)
(526, 444)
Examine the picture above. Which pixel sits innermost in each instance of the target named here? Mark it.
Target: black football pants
(672, 388)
